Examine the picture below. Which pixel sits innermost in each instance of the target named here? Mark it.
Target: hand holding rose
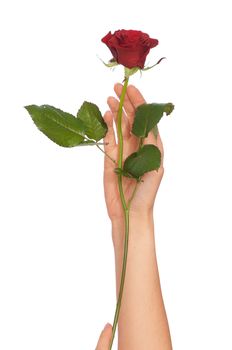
(144, 197)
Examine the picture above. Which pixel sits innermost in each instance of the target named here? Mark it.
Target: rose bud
(129, 47)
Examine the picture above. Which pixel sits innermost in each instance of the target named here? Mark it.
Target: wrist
(140, 224)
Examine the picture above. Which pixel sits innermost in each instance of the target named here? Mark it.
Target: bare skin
(104, 340)
(145, 194)
(142, 323)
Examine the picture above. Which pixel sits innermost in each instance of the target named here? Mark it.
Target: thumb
(105, 337)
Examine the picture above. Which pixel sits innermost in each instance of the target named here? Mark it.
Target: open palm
(145, 194)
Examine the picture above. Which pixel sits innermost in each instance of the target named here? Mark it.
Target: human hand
(143, 200)
(105, 337)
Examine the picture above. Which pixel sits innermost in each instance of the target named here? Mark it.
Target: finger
(105, 337)
(113, 103)
(109, 141)
(160, 143)
(161, 148)
(135, 96)
(137, 99)
(151, 139)
(128, 107)
(110, 135)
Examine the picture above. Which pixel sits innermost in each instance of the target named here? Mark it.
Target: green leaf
(61, 127)
(95, 126)
(146, 159)
(148, 115)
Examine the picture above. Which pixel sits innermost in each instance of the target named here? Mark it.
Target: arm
(143, 323)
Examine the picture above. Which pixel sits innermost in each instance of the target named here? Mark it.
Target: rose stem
(107, 155)
(93, 143)
(125, 209)
(136, 186)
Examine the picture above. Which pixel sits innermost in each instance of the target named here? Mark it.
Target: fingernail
(107, 325)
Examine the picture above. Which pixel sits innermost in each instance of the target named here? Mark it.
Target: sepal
(148, 68)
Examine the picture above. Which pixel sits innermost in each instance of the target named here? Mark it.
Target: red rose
(129, 47)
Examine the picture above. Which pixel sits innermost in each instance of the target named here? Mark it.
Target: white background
(57, 284)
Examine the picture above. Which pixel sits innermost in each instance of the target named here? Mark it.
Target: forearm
(143, 323)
